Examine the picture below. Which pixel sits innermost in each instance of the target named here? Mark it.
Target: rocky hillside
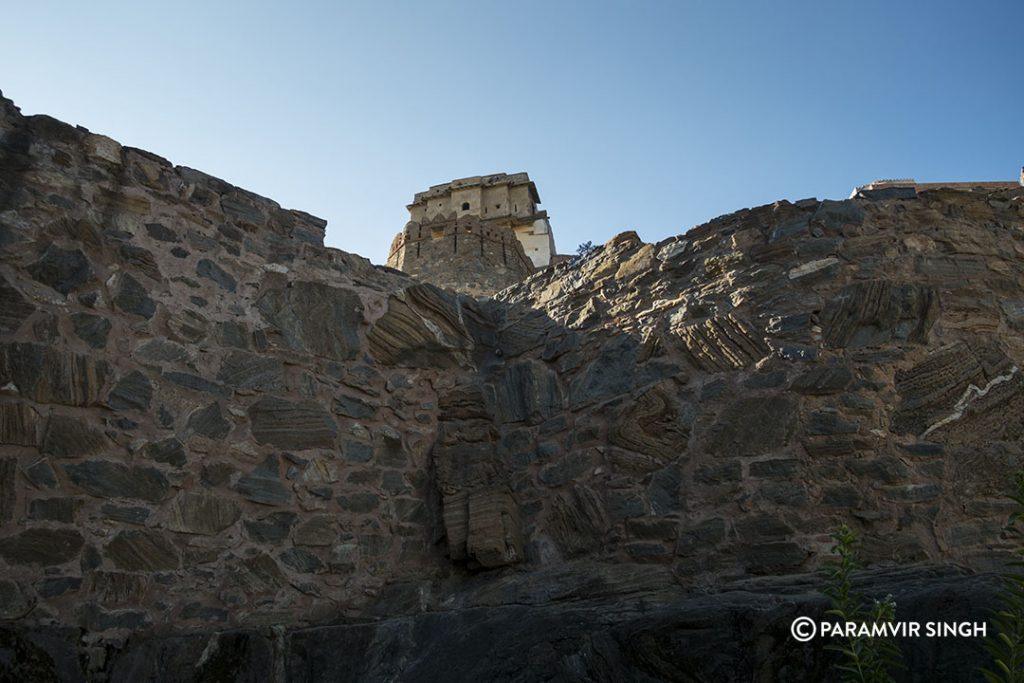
(228, 451)
(859, 359)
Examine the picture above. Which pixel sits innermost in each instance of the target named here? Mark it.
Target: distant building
(476, 235)
(910, 183)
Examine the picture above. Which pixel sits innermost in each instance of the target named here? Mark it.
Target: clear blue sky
(651, 116)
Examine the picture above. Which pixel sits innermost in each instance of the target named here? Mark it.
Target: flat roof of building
(479, 181)
(908, 183)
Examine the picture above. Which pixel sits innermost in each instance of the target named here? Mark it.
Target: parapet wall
(125, 183)
(464, 255)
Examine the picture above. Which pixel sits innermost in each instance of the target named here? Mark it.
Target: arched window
(465, 206)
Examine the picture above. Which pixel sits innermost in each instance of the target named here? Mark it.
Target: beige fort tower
(476, 235)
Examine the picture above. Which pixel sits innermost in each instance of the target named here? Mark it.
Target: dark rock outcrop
(570, 628)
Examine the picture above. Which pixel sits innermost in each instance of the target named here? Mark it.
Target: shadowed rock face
(211, 422)
(604, 630)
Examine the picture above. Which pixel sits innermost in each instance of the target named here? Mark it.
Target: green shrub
(863, 659)
(1007, 644)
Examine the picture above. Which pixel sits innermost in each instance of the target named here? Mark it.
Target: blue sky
(646, 116)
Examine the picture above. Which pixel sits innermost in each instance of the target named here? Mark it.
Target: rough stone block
(142, 550)
(263, 484)
(201, 513)
(106, 479)
(46, 547)
(295, 425)
(19, 424)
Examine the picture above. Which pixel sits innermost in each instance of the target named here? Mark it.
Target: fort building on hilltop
(897, 184)
(476, 235)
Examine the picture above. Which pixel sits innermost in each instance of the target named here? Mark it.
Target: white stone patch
(212, 646)
(971, 393)
(40, 293)
(437, 332)
(919, 243)
(102, 147)
(658, 306)
(677, 318)
(245, 448)
(672, 250)
(812, 267)
(276, 267)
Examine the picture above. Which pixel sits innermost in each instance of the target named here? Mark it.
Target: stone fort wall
(464, 255)
(210, 423)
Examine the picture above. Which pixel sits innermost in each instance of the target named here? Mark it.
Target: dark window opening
(465, 206)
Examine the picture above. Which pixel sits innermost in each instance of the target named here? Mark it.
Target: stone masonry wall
(209, 422)
(464, 255)
(191, 428)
